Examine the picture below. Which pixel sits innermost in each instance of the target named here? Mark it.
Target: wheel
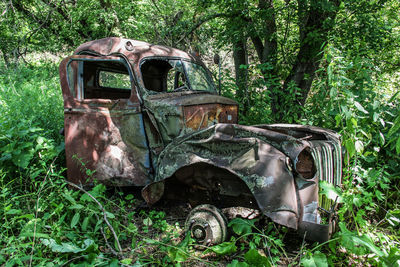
(207, 225)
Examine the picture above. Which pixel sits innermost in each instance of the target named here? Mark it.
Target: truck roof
(132, 49)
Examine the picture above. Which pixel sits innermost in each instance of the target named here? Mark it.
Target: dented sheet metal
(252, 154)
(108, 143)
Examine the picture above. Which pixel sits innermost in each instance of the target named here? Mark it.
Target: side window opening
(163, 75)
(105, 80)
(155, 73)
(173, 75)
(99, 79)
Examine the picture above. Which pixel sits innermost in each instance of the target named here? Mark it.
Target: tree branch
(201, 22)
(258, 45)
(43, 23)
(270, 41)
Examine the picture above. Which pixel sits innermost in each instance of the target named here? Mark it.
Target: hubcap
(207, 225)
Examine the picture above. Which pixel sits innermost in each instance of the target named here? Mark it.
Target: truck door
(105, 135)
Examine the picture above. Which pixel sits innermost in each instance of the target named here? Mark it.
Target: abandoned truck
(138, 114)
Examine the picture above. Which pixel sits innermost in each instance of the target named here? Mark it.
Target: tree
(44, 25)
(288, 84)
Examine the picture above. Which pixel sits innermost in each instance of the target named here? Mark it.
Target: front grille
(328, 159)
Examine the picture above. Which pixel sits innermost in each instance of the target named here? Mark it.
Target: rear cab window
(99, 79)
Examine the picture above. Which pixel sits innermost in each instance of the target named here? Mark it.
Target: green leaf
(396, 126)
(147, 221)
(354, 122)
(357, 244)
(318, 259)
(254, 258)
(177, 255)
(129, 197)
(398, 145)
(13, 212)
(223, 248)
(85, 224)
(338, 119)
(393, 258)
(236, 263)
(5, 156)
(75, 220)
(360, 108)
(151, 241)
(110, 215)
(350, 147)
(359, 146)
(68, 196)
(132, 228)
(381, 138)
(76, 206)
(22, 160)
(32, 234)
(96, 192)
(126, 261)
(68, 247)
(241, 226)
(330, 191)
(113, 263)
(393, 217)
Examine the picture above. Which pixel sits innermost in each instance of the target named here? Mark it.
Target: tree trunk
(315, 22)
(240, 58)
(267, 53)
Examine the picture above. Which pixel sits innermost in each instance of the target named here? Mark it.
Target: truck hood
(188, 98)
(303, 132)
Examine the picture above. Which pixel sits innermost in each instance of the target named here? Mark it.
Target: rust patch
(97, 140)
(201, 116)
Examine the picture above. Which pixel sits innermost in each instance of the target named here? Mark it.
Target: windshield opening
(175, 75)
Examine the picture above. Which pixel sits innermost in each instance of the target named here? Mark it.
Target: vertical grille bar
(328, 161)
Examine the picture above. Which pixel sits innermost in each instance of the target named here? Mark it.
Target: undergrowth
(48, 223)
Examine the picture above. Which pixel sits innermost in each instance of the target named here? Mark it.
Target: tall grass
(31, 93)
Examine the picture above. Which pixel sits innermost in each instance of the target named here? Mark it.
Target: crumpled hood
(306, 132)
(187, 98)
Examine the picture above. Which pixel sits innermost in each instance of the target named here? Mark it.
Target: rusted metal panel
(201, 116)
(181, 113)
(110, 143)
